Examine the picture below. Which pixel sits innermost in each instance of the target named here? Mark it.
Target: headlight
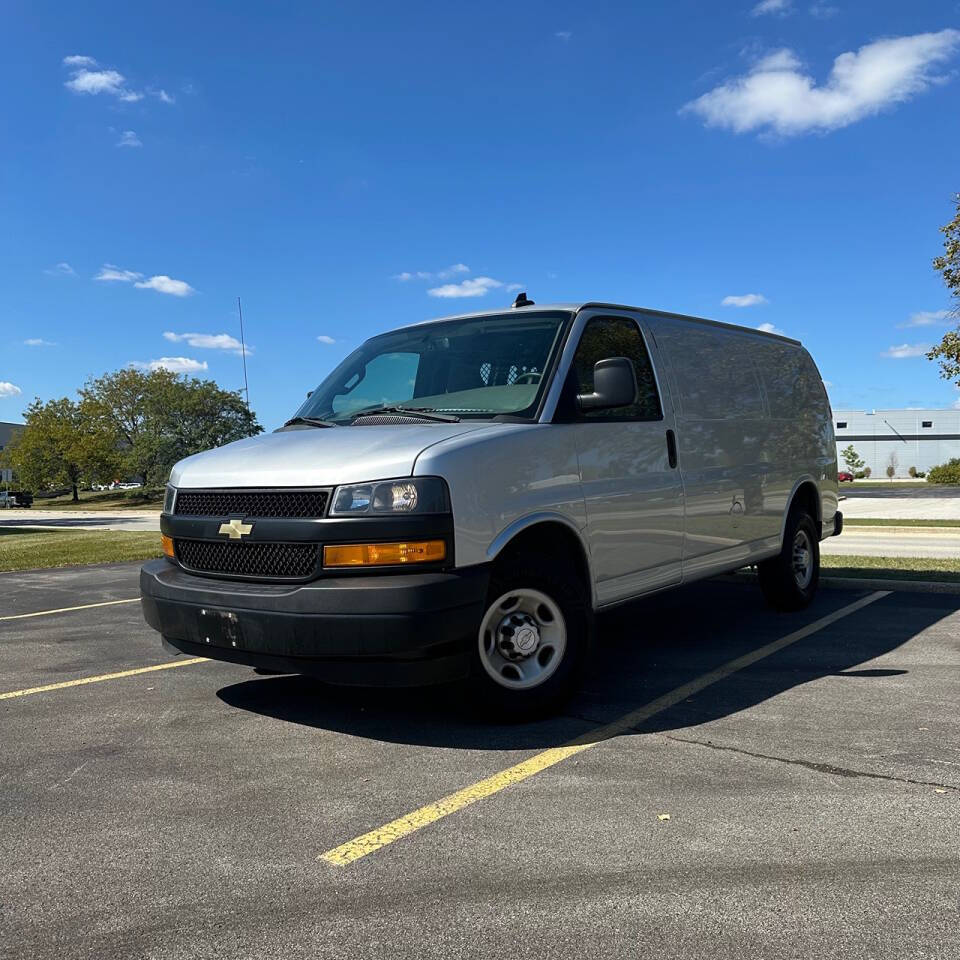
(391, 498)
(169, 497)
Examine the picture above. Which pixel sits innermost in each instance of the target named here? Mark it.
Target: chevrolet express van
(459, 498)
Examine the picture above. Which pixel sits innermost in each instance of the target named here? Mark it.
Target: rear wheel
(534, 640)
(789, 581)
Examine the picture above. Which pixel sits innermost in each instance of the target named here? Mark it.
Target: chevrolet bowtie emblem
(236, 529)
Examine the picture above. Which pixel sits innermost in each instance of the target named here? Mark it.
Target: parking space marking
(10, 694)
(403, 826)
(83, 606)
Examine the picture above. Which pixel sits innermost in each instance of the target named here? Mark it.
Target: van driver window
(605, 337)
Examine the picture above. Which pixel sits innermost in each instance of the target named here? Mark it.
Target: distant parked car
(7, 499)
(16, 498)
(844, 477)
(130, 486)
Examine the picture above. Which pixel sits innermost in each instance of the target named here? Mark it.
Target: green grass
(889, 522)
(23, 548)
(107, 500)
(944, 570)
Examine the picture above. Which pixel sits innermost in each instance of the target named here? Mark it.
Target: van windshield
(477, 367)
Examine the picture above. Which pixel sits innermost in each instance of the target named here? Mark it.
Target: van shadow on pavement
(645, 649)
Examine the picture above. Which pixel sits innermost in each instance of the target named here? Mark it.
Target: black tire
(561, 584)
(781, 583)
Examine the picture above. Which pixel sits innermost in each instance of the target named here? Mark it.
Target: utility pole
(243, 353)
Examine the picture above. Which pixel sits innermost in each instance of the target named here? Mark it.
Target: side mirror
(614, 385)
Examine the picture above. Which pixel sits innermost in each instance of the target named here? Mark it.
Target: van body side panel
(733, 490)
(633, 497)
(801, 442)
(502, 474)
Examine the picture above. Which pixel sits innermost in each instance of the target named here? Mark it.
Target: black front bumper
(379, 630)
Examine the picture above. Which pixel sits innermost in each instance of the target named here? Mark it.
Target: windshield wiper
(427, 413)
(310, 422)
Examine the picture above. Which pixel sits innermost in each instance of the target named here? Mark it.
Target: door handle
(672, 449)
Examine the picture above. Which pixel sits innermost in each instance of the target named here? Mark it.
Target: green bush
(948, 472)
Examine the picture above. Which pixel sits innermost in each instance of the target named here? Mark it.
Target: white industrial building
(7, 431)
(914, 438)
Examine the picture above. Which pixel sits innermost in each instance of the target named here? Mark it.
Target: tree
(58, 446)
(947, 352)
(158, 418)
(850, 458)
(892, 463)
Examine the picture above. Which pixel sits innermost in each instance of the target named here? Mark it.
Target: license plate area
(220, 628)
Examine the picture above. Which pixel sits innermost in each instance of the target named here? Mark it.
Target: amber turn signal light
(167, 543)
(384, 554)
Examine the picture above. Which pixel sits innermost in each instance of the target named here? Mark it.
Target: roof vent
(522, 300)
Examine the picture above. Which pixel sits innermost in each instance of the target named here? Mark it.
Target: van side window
(605, 337)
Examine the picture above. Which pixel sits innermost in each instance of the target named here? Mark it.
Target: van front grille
(286, 561)
(261, 504)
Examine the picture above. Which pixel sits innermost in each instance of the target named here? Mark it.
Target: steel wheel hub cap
(802, 560)
(518, 636)
(522, 640)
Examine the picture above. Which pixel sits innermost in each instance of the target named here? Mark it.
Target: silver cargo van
(459, 498)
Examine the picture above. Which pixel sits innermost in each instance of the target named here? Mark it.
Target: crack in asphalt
(826, 768)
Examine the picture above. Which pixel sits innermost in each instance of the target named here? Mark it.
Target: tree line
(126, 425)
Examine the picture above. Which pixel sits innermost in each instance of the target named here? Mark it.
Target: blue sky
(348, 168)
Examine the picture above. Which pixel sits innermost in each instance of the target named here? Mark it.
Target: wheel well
(551, 539)
(807, 498)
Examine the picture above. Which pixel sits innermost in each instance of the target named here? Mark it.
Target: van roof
(595, 304)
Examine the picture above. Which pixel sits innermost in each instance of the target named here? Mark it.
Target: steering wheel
(528, 377)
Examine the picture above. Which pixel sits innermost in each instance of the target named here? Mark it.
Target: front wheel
(789, 581)
(533, 642)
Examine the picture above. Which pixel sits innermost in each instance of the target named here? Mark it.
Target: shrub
(948, 472)
(912, 471)
(861, 475)
(866, 472)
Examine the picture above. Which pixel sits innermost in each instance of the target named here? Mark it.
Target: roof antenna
(243, 353)
(522, 300)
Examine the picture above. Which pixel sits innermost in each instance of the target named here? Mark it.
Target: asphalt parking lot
(733, 781)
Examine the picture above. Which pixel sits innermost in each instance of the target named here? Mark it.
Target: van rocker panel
(386, 628)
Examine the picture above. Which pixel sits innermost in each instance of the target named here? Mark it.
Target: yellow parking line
(83, 606)
(376, 839)
(99, 679)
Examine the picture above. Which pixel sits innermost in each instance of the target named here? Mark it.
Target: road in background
(142, 520)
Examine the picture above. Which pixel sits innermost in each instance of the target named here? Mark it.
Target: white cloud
(173, 364)
(778, 96)
(474, 287)
(62, 269)
(110, 271)
(38, 342)
(770, 328)
(8, 389)
(746, 300)
(823, 11)
(926, 318)
(93, 82)
(564, 35)
(779, 7)
(323, 338)
(165, 284)
(907, 350)
(209, 341)
(129, 139)
(77, 61)
(161, 95)
(161, 283)
(456, 269)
